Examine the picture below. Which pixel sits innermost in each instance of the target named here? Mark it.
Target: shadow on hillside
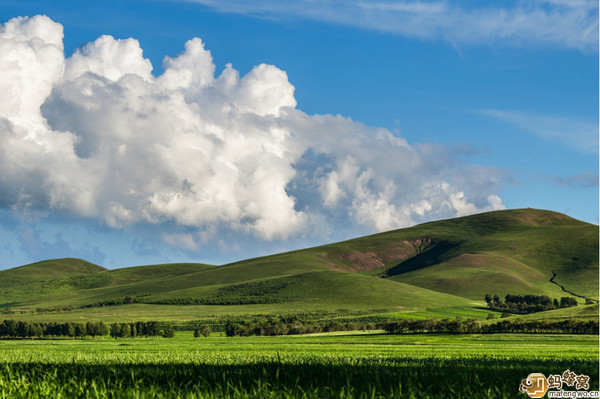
(438, 252)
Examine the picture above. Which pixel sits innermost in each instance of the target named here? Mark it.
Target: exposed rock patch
(356, 261)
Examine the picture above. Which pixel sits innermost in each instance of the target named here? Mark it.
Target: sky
(158, 131)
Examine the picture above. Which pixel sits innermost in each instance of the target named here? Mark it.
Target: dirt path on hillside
(567, 291)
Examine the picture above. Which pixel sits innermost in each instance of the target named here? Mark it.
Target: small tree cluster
(528, 303)
(55, 309)
(137, 329)
(168, 331)
(205, 331)
(126, 300)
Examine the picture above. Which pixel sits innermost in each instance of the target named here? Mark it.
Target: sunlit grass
(371, 365)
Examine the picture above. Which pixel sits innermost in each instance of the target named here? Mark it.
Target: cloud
(181, 241)
(556, 23)
(576, 134)
(585, 179)
(98, 136)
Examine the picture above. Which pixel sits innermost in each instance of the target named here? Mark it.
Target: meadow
(334, 365)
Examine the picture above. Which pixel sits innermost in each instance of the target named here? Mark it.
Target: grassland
(328, 366)
(435, 270)
(422, 270)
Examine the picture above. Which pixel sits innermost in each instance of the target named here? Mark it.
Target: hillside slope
(48, 276)
(513, 251)
(451, 262)
(523, 256)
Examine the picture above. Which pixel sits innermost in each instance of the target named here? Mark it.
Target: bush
(205, 330)
(168, 331)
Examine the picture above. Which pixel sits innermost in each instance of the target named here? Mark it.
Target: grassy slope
(498, 252)
(49, 277)
(514, 251)
(493, 253)
(65, 281)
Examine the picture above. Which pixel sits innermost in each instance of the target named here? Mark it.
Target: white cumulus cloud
(99, 136)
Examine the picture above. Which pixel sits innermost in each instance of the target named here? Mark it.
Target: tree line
(528, 303)
(289, 325)
(277, 325)
(471, 326)
(141, 329)
(219, 300)
(25, 329)
(240, 300)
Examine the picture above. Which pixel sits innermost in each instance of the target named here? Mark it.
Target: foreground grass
(368, 365)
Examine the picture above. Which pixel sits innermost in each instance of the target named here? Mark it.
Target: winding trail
(567, 291)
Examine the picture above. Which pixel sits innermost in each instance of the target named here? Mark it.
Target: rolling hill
(448, 263)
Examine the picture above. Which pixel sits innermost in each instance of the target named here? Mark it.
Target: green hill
(516, 252)
(448, 263)
(50, 276)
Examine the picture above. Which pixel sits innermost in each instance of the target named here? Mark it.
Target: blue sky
(289, 124)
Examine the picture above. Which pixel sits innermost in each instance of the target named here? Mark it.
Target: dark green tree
(115, 330)
(168, 331)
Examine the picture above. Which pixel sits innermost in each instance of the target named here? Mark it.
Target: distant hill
(451, 262)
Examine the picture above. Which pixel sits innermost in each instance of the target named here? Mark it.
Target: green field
(325, 365)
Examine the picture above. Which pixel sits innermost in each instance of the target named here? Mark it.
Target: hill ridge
(499, 252)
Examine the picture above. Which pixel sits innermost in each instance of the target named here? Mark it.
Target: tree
(125, 330)
(230, 328)
(566, 302)
(128, 300)
(68, 329)
(36, 330)
(140, 327)
(168, 331)
(205, 330)
(8, 328)
(101, 329)
(90, 329)
(79, 330)
(22, 329)
(115, 330)
(152, 329)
